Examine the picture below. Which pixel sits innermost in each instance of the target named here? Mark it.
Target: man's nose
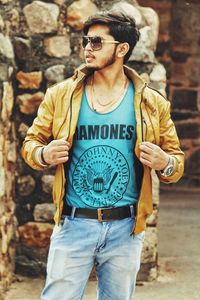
(88, 46)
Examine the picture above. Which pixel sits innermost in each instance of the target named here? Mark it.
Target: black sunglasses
(96, 42)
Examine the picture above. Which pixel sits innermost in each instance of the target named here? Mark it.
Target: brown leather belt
(101, 214)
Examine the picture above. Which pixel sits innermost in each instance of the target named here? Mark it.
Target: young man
(105, 130)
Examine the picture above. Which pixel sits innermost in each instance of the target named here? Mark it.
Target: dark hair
(122, 27)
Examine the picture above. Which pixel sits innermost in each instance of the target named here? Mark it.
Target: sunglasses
(96, 42)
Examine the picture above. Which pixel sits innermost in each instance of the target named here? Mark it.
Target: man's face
(106, 56)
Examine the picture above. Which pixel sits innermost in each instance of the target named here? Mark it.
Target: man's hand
(153, 156)
(56, 152)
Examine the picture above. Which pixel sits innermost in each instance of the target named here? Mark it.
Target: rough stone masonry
(39, 46)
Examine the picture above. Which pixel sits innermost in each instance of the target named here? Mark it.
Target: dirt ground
(179, 256)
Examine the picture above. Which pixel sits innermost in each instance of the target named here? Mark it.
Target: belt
(101, 214)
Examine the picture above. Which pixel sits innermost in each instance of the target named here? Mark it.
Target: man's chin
(92, 66)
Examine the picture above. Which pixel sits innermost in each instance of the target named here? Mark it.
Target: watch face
(169, 171)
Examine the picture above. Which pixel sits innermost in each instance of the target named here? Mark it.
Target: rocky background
(39, 46)
(178, 50)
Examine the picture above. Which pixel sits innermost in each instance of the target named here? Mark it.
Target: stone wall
(7, 160)
(43, 37)
(179, 51)
(47, 50)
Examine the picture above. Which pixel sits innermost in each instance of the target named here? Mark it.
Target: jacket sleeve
(40, 133)
(169, 142)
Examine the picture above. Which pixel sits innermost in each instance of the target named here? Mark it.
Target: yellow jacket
(57, 118)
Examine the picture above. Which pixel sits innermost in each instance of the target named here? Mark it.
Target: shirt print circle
(101, 176)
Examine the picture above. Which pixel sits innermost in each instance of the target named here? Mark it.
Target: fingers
(146, 163)
(153, 156)
(56, 152)
(62, 154)
(148, 147)
(147, 153)
(60, 142)
(145, 156)
(61, 160)
(59, 148)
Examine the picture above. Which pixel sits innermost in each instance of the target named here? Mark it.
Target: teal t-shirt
(101, 169)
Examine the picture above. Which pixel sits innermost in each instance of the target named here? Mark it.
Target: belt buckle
(100, 214)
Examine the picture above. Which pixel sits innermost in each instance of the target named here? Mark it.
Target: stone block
(31, 261)
(148, 272)
(149, 251)
(163, 9)
(11, 151)
(190, 42)
(3, 183)
(192, 164)
(3, 72)
(26, 185)
(44, 212)
(182, 115)
(24, 211)
(5, 1)
(184, 99)
(152, 20)
(131, 10)
(144, 49)
(155, 188)
(1, 23)
(153, 218)
(14, 19)
(186, 74)
(30, 80)
(47, 183)
(57, 46)
(2, 141)
(188, 129)
(29, 103)
(34, 234)
(196, 142)
(55, 73)
(22, 48)
(180, 56)
(7, 101)
(41, 17)
(79, 11)
(28, 267)
(59, 2)
(33, 253)
(185, 144)
(6, 48)
(158, 73)
(23, 128)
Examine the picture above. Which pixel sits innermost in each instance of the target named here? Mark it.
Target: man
(105, 130)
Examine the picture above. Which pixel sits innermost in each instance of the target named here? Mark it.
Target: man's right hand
(56, 152)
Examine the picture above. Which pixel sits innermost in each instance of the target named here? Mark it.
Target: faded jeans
(77, 244)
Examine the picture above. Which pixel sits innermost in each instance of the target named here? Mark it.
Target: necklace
(106, 106)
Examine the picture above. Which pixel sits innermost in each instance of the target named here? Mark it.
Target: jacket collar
(82, 72)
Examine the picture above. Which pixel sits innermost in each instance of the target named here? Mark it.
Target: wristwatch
(169, 169)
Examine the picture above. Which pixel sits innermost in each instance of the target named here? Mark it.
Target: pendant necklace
(107, 105)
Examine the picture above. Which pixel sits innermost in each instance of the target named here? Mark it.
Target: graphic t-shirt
(101, 169)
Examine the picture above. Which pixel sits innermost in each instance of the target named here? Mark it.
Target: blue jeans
(77, 244)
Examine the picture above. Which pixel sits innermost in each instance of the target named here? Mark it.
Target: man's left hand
(153, 156)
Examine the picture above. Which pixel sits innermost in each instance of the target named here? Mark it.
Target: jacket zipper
(143, 139)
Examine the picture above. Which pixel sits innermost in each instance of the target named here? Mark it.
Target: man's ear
(122, 49)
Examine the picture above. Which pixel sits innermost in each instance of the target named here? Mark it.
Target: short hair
(121, 26)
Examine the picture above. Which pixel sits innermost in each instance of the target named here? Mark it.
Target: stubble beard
(108, 62)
